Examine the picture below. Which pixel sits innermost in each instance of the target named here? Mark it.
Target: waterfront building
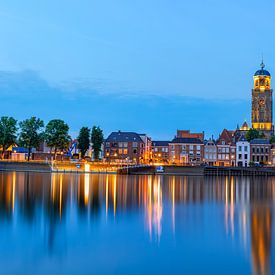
(210, 152)
(160, 151)
(147, 148)
(186, 151)
(188, 134)
(260, 151)
(242, 152)
(124, 147)
(262, 103)
(226, 149)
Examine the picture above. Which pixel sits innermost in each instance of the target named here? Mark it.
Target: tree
(252, 134)
(97, 140)
(31, 133)
(272, 140)
(8, 129)
(57, 135)
(83, 140)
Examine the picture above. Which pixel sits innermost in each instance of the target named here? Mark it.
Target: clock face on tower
(261, 102)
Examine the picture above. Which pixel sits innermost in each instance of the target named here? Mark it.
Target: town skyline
(98, 62)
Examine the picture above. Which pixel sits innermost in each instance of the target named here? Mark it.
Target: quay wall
(24, 166)
(200, 171)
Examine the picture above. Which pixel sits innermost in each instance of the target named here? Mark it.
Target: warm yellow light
(262, 125)
(87, 167)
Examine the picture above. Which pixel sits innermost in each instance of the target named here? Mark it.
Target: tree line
(30, 133)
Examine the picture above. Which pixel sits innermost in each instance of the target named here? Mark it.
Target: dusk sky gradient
(149, 66)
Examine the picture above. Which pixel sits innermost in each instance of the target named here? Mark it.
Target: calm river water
(99, 224)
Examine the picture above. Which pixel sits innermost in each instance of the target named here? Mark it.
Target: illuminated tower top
(262, 79)
(262, 102)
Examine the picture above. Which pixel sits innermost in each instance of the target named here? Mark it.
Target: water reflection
(50, 199)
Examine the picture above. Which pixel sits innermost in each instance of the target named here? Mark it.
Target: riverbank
(99, 168)
(199, 171)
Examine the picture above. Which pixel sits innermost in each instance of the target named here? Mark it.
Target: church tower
(262, 103)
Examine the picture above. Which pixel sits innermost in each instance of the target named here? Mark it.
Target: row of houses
(186, 148)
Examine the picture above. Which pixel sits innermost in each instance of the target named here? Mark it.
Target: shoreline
(39, 167)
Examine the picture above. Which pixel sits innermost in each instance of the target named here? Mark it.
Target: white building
(242, 152)
(210, 152)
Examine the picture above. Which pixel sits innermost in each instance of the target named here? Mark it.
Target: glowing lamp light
(87, 167)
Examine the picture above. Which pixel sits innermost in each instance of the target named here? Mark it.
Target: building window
(191, 147)
(135, 144)
(245, 148)
(240, 156)
(135, 151)
(240, 148)
(125, 151)
(245, 156)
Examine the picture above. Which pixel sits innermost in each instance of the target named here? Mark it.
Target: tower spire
(262, 64)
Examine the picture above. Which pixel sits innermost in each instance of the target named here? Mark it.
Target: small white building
(242, 152)
(210, 152)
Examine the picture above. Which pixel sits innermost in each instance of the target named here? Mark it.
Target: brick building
(160, 151)
(147, 148)
(260, 151)
(186, 151)
(124, 147)
(188, 134)
(226, 149)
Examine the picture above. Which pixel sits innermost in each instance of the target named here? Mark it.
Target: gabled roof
(242, 138)
(227, 136)
(160, 143)
(210, 142)
(123, 137)
(245, 127)
(259, 141)
(187, 140)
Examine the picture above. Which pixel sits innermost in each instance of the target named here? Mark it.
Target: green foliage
(8, 129)
(252, 134)
(97, 140)
(31, 133)
(272, 139)
(83, 140)
(57, 135)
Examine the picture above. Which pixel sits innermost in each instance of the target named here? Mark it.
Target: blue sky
(149, 66)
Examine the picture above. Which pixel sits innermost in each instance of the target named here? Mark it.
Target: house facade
(124, 147)
(226, 149)
(260, 151)
(243, 152)
(160, 151)
(186, 151)
(210, 153)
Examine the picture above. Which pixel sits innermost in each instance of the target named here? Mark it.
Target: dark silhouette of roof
(259, 141)
(123, 137)
(160, 143)
(187, 140)
(262, 72)
(242, 138)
